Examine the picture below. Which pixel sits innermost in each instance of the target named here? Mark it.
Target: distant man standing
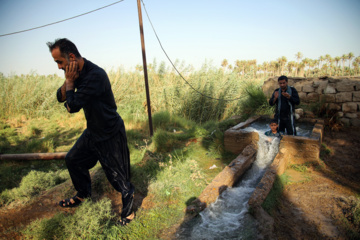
(87, 87)
(285, 98)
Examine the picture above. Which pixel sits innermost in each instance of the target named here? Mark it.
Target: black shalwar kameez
(105, 137)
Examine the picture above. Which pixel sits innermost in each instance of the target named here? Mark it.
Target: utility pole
(145, 68)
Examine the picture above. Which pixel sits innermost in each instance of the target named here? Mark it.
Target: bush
(254, 102)
(33, 184)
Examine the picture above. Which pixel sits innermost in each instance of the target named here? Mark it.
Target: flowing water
(228, 217)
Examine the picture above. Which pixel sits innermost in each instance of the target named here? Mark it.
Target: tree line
(345, 65)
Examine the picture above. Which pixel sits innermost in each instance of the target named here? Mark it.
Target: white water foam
(228, 217)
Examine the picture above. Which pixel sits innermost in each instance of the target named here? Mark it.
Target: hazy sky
(193, 31)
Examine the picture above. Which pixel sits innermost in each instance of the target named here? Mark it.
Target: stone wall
(341, 94)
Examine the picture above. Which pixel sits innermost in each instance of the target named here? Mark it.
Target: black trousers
(113, 155)
(285, 123)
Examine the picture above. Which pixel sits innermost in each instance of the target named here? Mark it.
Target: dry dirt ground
(313, 207)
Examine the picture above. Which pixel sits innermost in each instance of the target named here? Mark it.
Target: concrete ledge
(245, 124)
(226, 178)
(277, 167)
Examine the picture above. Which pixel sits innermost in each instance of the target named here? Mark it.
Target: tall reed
(201, 96)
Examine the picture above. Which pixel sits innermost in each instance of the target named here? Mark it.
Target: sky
(195, 32)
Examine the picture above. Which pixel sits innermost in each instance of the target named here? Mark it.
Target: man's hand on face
(71, 71)
(71, 74)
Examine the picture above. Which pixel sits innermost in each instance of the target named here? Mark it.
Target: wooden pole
(145, 67)
(33, 156)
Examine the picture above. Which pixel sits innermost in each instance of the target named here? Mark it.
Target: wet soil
(314, 206)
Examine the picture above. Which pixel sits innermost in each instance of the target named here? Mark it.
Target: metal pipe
(33, 156)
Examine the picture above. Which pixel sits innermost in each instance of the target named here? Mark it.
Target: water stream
(228, 217)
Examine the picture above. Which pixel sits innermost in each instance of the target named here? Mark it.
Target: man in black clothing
(87, 87)
(285, 98)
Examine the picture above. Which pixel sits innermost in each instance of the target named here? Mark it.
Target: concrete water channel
(222, 209)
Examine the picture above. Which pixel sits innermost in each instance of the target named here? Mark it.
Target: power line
(176, 68)
(46, 25)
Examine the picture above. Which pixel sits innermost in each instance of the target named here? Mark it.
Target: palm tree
(265, 67)
(282, 62)
(298, 56)
(316, 62)
(350, 57)
(328, 59)
(356, 66)
(301, 67)
(238, 66)
(321, 59)
(224, 63)
(306, 62)
(337, 60)
(274, 66)
(331, 61)
(290, 66)
(343, 58)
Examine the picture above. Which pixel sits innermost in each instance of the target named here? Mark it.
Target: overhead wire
(67, 19)
(152, 26)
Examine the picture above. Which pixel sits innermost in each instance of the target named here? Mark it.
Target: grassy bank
(169, 169)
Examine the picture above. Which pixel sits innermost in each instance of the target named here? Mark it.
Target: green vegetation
(33, 184)
(325, 150)
(254, 101)
(170, 169)
(275, 193)
(303, 168)
(345, 65)
(88, 222)
(351, 219)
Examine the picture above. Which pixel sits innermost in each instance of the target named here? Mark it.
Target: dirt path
(315, 207)
(14, 217)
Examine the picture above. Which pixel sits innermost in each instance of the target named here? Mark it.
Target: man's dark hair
(283, 78)
(65, 46)
(273, 121)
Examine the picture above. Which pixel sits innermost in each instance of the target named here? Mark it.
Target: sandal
(67, 203)
(124, 221)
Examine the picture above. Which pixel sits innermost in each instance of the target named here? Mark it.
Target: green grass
(170, 168)
(275, 193)
(88, 222)
(325, 151)
(169, 180)
(303, 168)
(254, 101)
(32, 185)
(13, 172)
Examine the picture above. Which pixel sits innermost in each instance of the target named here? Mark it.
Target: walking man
(87, 87)
(285, 98)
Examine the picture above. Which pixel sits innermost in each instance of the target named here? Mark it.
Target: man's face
(273, 127)
(283, 84)
(59, 59)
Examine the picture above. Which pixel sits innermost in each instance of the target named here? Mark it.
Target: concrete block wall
(341, 94)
